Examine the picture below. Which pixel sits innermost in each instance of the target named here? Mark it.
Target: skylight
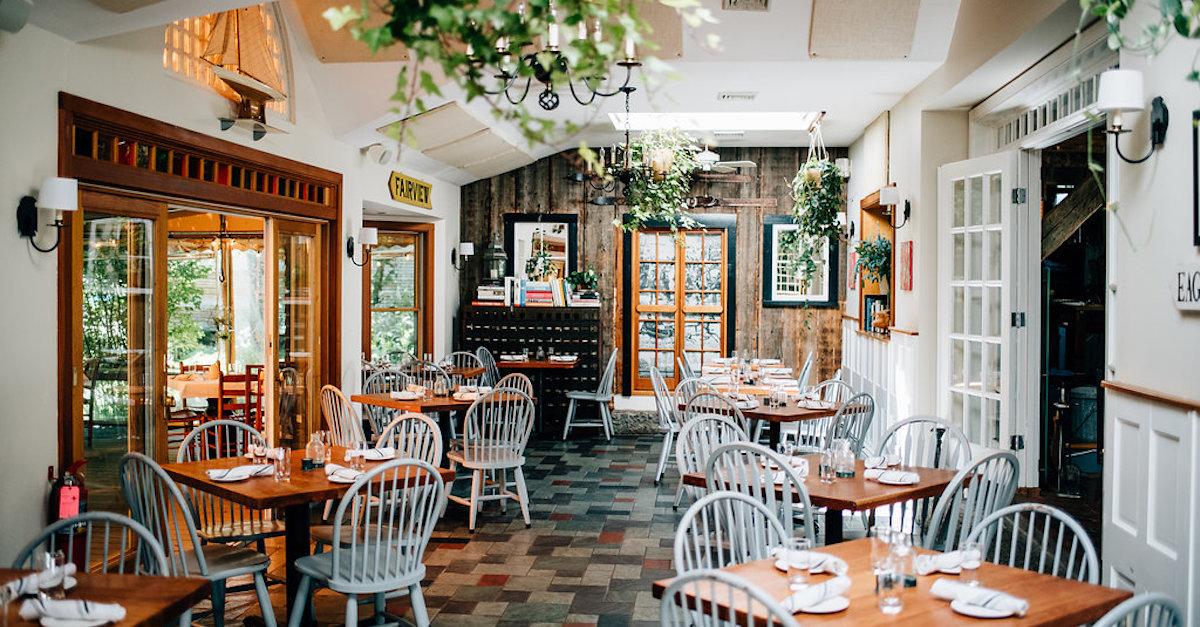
(717, 121)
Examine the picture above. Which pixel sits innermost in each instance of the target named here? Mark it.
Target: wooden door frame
(325, 208)
(714, 222)
(428, 307)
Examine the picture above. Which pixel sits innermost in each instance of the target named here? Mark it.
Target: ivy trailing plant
(817, 196)
(875, 260)
(584, 280)
(658, 190)
(467, 40)
(1175, 17)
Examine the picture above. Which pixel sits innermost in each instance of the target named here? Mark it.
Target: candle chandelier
(616, 165)
(548, 62)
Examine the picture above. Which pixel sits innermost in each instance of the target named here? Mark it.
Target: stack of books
(494, 295)
(585, 298)
(525, 293)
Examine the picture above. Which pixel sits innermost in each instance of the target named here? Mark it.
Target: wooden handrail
(1186, 404)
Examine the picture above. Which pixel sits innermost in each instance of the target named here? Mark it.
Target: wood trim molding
(1186, 404)
(846, 316)
(428, 306)
(903, 331)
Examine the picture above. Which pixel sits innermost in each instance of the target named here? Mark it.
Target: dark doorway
(1073, 342)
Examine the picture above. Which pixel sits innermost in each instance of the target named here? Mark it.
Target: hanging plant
(471, 41)
(817, 198)
(658, 188)
(875, 261)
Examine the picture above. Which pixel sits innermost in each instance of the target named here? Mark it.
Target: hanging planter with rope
(817, 196)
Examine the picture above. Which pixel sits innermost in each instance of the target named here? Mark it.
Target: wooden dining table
(1053, 601)
(538, 367)
(294, 497)
(775, 417)
(148, 600)
(857, 493)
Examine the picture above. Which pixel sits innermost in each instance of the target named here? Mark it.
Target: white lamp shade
(1120, 90)
(59, 194)
(889, 195)
(368, 236)
(466, 249)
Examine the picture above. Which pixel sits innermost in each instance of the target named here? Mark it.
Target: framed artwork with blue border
(782, 283)
(1196, 177)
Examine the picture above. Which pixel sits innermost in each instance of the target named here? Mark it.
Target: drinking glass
(797, 557)
(54, 565)
(283, 465)
(972, 557)
(881, 545)
(825, 471)
(6, 597)
(889, 584)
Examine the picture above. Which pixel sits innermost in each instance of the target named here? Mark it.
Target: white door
(983, 319)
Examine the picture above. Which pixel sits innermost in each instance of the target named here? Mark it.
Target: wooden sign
(1185, 287)
(411, 191)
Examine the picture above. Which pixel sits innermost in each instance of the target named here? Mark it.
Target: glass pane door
(118, 377)
(296, 345)
(680, 286)
(976, 270)
(395, 316)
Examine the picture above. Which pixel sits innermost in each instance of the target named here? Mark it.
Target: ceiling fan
(710, 161)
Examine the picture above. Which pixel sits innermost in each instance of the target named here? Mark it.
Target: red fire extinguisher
(68, 497)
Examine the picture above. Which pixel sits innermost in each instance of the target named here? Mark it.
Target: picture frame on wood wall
(528, 233)
(781, 278)
(1196, 178)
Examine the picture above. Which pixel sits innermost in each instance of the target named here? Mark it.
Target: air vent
(736, 96)
(745, 5)
(729, 134)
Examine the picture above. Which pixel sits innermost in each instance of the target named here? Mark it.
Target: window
(184, 42)
(680, 294)
(397, 295)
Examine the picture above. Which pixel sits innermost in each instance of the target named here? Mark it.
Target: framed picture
(904, 267)
(552, 235)
(783, 284)
(1196, 177)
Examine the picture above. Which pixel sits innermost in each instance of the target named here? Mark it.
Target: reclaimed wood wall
(542, 187)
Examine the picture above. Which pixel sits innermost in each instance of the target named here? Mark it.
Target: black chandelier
(543, 65)
(616, 166)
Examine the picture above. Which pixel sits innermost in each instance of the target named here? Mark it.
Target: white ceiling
(763, 52)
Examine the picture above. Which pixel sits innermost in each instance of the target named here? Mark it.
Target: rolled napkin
(777, 371)
(766, 362)
(719, 380)
(372, 454)
(237, 473)
(723, 360)
(816, 593)
(879, 461)
(466, 396)
(799, 463)
(948, 562)
(419, 390)
(827, 563)
(31, 583)
(342, 473)
(564, 358)
(71, 609)
(780, 382)
(512, 358)
(978, 596)
(891, 476)
(474, 389)
(404, 395)
(809, 403)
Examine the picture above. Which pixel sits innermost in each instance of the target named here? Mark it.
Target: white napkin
(342, 472)
(404, 395)
(512, 358)
(893, 476)
(71, 609)
(879, 461)
(766, 362)
(238, 473)
(777, 371)
(466, 396)
(815, 404)
(978, 596)
(419, 390)
(720, 380)
(563, 357)
(722, 360)
(780, 382)
(799, 463)
(948, 562)
(816, 593)
(371, 454)
(474, 389)
(746, 404)
(31, 583)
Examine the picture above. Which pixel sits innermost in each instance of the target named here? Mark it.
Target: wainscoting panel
(1151, 491)
(885, 370)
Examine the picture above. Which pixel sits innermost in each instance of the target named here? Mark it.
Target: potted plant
(875, 261)
(658, 189)
(584, 282)
(817, 201)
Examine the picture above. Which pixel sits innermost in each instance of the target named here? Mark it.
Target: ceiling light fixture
(542, 64)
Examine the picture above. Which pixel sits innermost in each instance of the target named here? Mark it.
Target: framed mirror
(541, 242)
(783, 284)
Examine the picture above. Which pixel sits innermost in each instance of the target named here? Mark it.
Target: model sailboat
(238, 52)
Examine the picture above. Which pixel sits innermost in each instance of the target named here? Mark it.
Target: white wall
(126, 72)
(1152, 465)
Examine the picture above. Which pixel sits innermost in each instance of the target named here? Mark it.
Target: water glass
(796, 554)
(54, 564)
(881, 545)
(283, 465)
(825, 470)
(6, 597)
(889, 585)
(972, 557)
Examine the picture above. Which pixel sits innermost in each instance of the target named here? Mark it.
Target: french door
(294, 313)
(680, 300)
(984, 283)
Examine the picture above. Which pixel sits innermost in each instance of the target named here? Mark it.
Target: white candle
(630, 51)
(553, 34)
(597, 35)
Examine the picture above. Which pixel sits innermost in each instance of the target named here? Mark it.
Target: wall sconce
(460, 254)
(890, 196)
(1121, 91)
(57, 194)
(367, 237)
(846, 224)
(378, 153)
